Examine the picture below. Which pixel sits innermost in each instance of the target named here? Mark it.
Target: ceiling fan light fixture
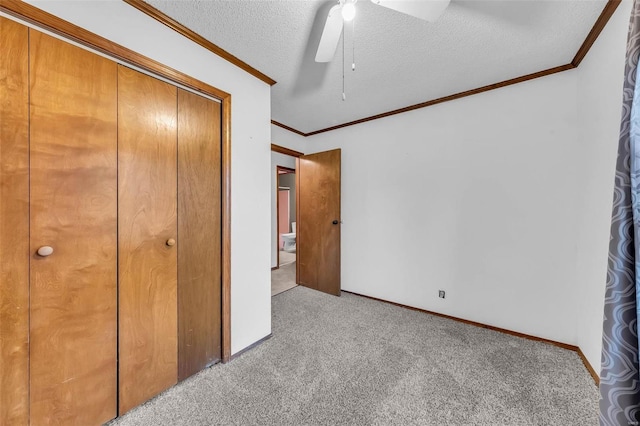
(348, 11)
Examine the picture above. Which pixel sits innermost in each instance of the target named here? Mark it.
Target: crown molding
(601, 22)
(291, 129)
(197, 38)
(449, 98)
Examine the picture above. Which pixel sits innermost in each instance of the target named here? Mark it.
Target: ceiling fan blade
(330, 35)
(429, 10)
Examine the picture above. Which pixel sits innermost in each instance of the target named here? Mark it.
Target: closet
(110, 233)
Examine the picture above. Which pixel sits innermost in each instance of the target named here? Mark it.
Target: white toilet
(290, 239)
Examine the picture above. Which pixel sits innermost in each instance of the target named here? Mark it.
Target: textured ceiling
(400, 60)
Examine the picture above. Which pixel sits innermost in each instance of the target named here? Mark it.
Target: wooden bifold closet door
(199, 228)
(147, 237)
(169, 235)
(110, 233)
(73, 150)
(14, 223)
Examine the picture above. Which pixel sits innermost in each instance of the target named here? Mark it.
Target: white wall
(600, 79)
(507, 205)
(475, 197)
(250, 130)
(287, 139)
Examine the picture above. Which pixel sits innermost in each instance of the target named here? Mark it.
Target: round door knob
(171, 242)
(45, 251)
(335, 222)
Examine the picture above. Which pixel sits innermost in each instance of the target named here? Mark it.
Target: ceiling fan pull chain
(344, 96)
(353, 46)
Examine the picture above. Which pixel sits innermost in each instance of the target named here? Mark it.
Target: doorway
(283, 277)
(286, 211)
(308, 247)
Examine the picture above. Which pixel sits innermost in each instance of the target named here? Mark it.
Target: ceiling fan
(345, 11)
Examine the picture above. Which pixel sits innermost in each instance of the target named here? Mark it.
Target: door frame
(297, 154)
(287, 171)
(38, 19)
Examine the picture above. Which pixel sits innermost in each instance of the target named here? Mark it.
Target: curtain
(619, 376)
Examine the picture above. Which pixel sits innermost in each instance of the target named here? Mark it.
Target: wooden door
(147, 230)
(73, 154)
(318, 221)
(199, 228)
(14, 223)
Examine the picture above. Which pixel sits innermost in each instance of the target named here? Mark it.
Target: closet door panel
(14, 223)
(147, 193)
(199, 227)
(73, 209)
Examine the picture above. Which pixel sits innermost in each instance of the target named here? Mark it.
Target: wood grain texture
(226, 229)
(285, 151)
(14, 223)
(42, 19)
(198, 39)
(199, 229)
(317, 238)
(147, 211)
(73, 209)
(601, 22)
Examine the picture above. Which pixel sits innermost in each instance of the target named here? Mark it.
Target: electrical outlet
(441, 294)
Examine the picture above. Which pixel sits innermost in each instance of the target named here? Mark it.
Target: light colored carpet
(283, 278)
(286, 257)
(355, 361)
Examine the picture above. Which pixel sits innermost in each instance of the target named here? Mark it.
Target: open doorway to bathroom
(286, 208)
(284, 162)
(284, 276)
(313, 244)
